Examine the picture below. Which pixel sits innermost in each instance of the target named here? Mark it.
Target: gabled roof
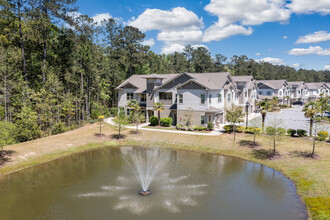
(297, 84)
(249, 80)
(140, 81)
(274, 84)
(315, 85)
(213, 81)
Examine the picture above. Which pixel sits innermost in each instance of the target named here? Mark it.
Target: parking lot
(293, 118)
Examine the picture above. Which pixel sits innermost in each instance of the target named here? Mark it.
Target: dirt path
(32, 149)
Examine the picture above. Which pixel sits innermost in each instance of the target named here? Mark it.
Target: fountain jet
(146, 165)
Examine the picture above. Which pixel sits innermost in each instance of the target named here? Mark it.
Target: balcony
(166, 101)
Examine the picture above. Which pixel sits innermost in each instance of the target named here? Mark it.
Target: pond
(101, 184)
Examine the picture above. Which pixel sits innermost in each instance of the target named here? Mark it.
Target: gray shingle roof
(315, 85)
(248, 79)
(297, 84)
(140, 81)
(274, 84)
(213, 81)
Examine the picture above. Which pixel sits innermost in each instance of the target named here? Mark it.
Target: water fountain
(146, 165)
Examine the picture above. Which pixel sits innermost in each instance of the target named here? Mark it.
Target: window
(180, 98)
(210, 98)
(260, 93)
(129, 111)
(219, 98)
(143, 97)
(165, 96)
(202, 98)
(280, 93)
(246, 94)
(129, 96)
(202, 119)
(268, 93)
(228, 97)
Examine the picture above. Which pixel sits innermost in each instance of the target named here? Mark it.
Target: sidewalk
(215, 132)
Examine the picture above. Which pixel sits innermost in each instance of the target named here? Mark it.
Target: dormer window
(129, 96)
(228, 97)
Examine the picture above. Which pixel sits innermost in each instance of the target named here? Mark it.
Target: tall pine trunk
(22, 41)
(44, 49)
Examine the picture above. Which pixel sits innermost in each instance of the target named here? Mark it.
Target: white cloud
(178, 27)
(235, 15)
(180, 37)
(176, 19)
(316, 37)
(258, 54)
(98, 18)
(285, 37)
(216, 32)
(248, 12)
(310, 50)
(276, 61)
(296, 65)
(171, 48)
(327, 67)
(149, 42)
(310, 6)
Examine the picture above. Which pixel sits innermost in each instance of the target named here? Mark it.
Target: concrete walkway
(215, 132)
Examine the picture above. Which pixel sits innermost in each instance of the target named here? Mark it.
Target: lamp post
(247, 105)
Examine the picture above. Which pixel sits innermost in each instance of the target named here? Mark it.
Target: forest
(59, 69)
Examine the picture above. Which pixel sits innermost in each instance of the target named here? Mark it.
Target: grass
(310, 175)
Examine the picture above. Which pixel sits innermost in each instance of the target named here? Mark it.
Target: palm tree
(158, 106)
(310, 109)
(265, 107)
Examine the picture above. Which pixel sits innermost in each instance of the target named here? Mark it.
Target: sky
(294, 33)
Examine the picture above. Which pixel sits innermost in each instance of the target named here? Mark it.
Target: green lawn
(311, 176)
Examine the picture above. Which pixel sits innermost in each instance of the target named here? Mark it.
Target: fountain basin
(144, 193)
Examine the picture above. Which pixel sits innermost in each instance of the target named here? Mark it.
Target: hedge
(322, 135)
(301, 133)
(291, 132)
(166, 122)
(153, 121)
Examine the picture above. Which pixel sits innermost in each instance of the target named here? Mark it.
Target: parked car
(298, 103)
(327, 114)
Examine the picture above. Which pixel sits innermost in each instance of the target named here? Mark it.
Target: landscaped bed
(311, 176)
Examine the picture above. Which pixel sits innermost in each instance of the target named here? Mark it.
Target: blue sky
(261, 29)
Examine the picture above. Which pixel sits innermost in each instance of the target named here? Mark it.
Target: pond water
(100, 184)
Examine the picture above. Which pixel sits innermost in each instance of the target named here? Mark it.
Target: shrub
(178, 126)
(210, 126)
(240, 129)
(291, 132)
(195, 127)
(322, 135)
(166, 122)
(153, 121)
(190, 128)
(185, 128)
(58, 128)
(252, 130)
(229, 128)
(92, 121)
(301, 133)
(201, 128)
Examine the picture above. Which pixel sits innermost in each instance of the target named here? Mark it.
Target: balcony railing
(166, 101)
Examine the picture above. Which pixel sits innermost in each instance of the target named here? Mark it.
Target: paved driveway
(293, 118)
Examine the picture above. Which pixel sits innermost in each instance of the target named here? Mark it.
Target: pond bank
(311, 176)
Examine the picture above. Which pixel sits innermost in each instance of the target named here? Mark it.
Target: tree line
(59, 69)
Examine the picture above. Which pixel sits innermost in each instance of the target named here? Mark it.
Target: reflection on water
(100, 185)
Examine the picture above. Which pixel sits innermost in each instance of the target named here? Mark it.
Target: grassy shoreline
(310, 176)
